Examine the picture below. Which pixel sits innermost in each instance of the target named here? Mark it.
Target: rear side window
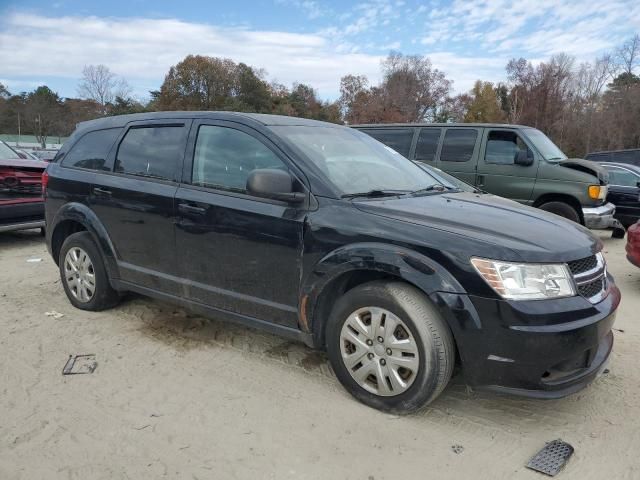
(458, 145)
(224, 157)
(152, 151)
(91, 150)
(503, 147)
(397, 138)
(427, 145)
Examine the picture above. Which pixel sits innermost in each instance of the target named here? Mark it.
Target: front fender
(82, 214)
(408, 265)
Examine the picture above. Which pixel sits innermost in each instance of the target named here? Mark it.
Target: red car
(21, 203)
(633, 244)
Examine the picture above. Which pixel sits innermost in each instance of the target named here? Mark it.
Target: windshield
(546, 147)
(354, 162)
(447, 180)
(7, 152)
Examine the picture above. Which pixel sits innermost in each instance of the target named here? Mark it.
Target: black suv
(318, 232)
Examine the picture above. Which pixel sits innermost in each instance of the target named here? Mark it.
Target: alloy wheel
(80, 274)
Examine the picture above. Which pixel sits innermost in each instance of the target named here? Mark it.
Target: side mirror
(272, 183)
(524, 158)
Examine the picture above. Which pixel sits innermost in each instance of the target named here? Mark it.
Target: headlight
(597, 192)
(526, 281)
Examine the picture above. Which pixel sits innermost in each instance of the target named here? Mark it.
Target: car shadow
(21, 239)
(183, 331)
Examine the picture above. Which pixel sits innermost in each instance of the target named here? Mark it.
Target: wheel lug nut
(369, 342)
(370, 356)
(388, 351)
(380, 339)
(383, 362)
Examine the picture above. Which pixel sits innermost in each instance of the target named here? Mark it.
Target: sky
(306, 41)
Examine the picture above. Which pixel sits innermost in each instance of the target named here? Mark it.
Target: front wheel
(562, 209)
(389, 346)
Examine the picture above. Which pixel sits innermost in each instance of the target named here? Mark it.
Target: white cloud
(142, 50)
(535, 27)
(312, 8)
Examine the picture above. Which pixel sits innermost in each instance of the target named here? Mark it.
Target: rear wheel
(83, 274)
(389, 346)
(562, 209)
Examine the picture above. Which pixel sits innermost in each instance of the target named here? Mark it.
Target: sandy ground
(179, 396)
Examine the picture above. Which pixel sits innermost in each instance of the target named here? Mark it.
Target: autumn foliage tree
(412, 90)
(484, 104)
(210, 83)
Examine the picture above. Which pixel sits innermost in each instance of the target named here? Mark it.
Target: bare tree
(352, 87)
(415, 89)
(102, 85)
(590, 81)
(628, 55)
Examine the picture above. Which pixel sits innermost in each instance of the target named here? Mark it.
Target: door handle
(102, 192)
(191, 209)
(480, 181)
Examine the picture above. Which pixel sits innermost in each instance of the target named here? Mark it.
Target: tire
(424, 380)
(103, 295)
(562, 209)
(618, 233)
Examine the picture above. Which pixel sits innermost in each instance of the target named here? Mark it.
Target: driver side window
(503, 147)
(224, 157)
(622, 178)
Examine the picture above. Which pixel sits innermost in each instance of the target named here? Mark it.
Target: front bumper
(601, 217)
(541, 349)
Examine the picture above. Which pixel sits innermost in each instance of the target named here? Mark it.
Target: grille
(590, 276)
(583, 265)
(591, 289)
(551, 458)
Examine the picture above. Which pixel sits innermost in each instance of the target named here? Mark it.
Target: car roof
(260, 118)
(426, 124)
(614, 151)
(629, 166)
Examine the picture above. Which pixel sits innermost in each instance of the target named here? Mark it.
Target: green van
(511, 161)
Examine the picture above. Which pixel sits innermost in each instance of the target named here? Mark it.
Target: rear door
(237, 252)
(459, 152)
(497, 171)
(135, 201)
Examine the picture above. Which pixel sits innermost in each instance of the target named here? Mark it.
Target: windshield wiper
(376, 193)
(433, 188)
(555, 159)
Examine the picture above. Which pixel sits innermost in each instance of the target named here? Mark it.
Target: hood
(23, 164)
(520, 233)
(587, 166)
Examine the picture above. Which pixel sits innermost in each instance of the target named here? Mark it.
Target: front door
(135, 201)
(497, 171)
(237, 252)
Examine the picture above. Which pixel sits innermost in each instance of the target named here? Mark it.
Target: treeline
(583, 107)
(196, 83)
